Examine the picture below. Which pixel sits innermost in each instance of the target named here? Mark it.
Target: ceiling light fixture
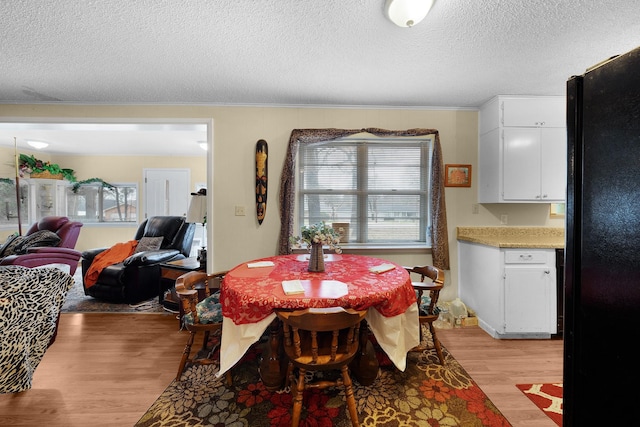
(407, 13)
(204, 145)
(38, 145)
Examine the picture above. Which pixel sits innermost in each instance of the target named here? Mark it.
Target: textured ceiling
(302, 52)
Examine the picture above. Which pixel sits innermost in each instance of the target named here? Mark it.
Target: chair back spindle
(319, 340)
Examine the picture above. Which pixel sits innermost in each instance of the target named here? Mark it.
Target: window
(378, 187)
(9, 207)
(93, 203)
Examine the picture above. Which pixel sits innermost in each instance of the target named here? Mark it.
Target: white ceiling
(114, 139)
(299, 52)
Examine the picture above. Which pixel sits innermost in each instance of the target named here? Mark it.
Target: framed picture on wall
(457, 176)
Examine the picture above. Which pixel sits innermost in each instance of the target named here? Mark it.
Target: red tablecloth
(249, 295)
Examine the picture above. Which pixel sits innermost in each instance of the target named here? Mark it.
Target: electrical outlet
(504, 219)
(475, 208)
(240, 211)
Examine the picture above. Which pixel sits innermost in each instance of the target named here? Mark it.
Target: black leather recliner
(137, 278)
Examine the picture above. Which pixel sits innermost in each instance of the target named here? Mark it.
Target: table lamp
(197, 214)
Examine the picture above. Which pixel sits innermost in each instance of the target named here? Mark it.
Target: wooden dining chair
(320, 340)
(202, 312)
(427, 294)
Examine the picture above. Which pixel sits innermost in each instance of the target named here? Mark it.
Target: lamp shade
(197, 209)
(407, 13)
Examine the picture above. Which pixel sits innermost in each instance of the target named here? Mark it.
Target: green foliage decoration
(77, 185)
(29, 164)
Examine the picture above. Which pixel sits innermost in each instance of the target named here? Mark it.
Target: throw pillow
(37, 239)
(10, 248)
(8, 244)
(149, 244)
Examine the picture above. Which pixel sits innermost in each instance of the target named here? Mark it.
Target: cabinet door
(489, 167)
(527, 307)
(46, 198)
(554, 164)
(521, 164)
(534, 112)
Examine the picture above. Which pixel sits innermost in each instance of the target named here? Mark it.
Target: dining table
(252, 291)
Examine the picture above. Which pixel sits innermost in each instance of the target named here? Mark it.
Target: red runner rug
(547, 397)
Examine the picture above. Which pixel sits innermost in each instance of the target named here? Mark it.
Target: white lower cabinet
(512, 291)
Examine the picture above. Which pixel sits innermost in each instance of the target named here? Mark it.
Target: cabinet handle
(544, 196)
(547, 272)
(526, 257)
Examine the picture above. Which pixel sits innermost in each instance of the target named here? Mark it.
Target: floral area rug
(78, 302)
(426, 394)
(547, 397)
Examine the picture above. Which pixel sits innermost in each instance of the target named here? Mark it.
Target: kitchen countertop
(514, 237)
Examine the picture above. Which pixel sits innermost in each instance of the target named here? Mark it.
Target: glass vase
(316, 258)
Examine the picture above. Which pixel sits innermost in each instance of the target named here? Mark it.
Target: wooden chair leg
(205, 340)
(351, 400)
(185, 355)
(287, 378)
(436, 343)
(421, 344)
(298, 391)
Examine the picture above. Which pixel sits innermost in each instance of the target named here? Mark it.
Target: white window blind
(378, 186)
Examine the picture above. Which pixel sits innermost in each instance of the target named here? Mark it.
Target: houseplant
(315, 236)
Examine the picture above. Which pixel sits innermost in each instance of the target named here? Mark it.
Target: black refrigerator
(602, 248)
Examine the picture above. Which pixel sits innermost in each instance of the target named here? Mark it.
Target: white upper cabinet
(522, 150)
(534, 164)
(547, 112)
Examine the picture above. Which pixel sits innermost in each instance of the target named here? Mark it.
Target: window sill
(359, 249)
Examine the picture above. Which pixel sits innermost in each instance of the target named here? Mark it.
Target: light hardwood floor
(498, 365)
(107, 369)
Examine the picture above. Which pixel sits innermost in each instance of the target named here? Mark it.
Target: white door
(166, 192)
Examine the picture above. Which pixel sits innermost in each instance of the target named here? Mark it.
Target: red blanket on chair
(115, 254)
